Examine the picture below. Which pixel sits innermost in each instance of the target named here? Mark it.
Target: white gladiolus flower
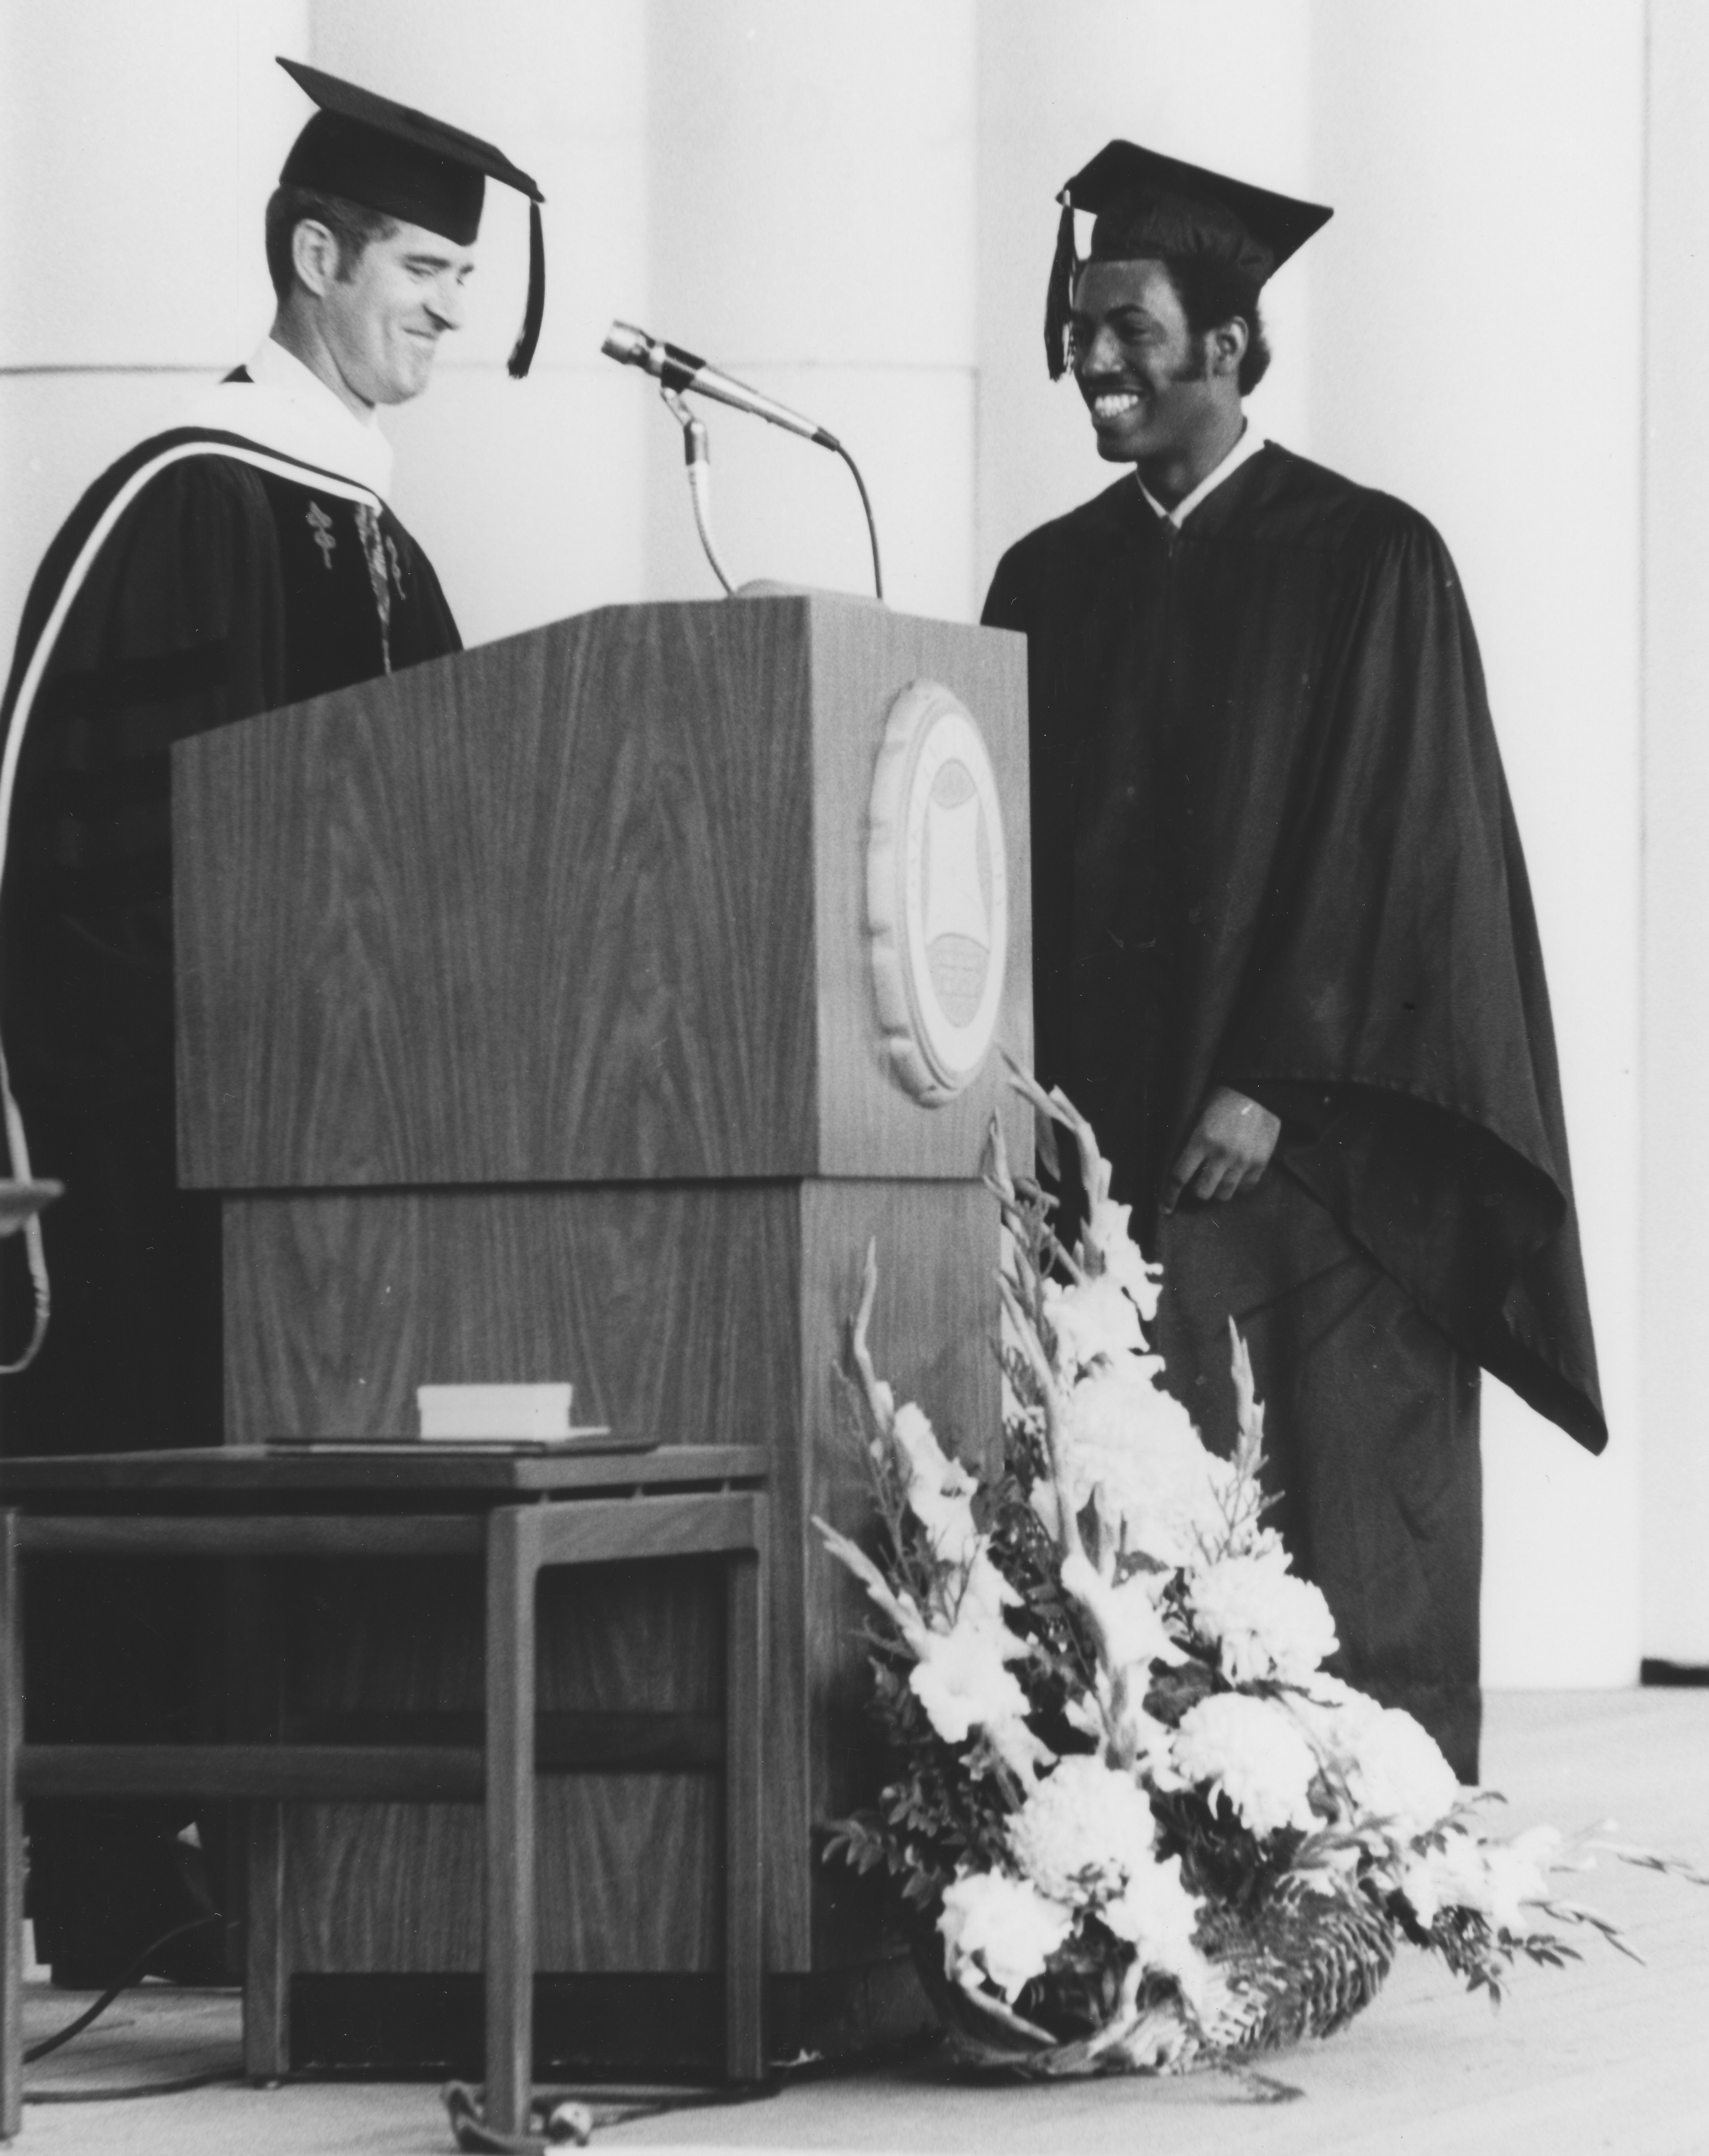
(1135, 1634)
(963, 1681)
(1157, 1915)
(1084, 1832)
(1001, 1928)
(1093, 1320)
(983, 1597)
(1124, 1262)
(1252, 1752)
(939, 1488)
(1265, 1623)
(1495, 1878)
(1129, 1729)
(1080, 1712)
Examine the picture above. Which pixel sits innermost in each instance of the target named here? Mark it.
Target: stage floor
(1605, 2055)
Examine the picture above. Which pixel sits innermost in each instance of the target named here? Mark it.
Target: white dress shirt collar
(1250, 444)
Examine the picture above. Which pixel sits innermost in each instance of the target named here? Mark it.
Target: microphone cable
(680, 372)
(871, 522)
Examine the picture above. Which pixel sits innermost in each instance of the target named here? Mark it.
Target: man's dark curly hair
(1212, 293)
(352, 225)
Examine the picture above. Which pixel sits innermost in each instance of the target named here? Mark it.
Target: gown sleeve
(1400, 996)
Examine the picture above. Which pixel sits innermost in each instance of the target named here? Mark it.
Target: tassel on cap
(521, 356)
(1059, 297)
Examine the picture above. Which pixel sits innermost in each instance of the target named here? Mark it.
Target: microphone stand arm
(697, 456)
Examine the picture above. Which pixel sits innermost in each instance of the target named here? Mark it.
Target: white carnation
(1252, 1752)
(999, 1928)
(1134, 1446)
(1393, 1767)
(1401, 1775)
(1266, 1624)
(1085, 1831)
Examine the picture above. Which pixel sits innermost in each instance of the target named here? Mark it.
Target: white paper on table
(473, 1414)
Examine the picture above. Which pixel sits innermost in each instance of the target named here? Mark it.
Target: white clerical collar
(285, 406)
(1250, 444)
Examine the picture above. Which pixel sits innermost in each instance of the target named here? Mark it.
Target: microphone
(680, 370)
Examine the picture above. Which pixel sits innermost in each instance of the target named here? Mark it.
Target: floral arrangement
(1136, 1825)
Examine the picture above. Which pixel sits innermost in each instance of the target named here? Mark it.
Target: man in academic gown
(244, 559)
(1285, 955)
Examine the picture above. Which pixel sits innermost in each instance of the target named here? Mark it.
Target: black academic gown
(1273, 849)
(226, 588)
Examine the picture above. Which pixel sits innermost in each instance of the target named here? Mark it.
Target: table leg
(257, 1697)
(744, 1883)
(512, 1571)
(10, 1835)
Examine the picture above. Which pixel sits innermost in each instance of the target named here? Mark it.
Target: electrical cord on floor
(137, 1971)
(570, 2118)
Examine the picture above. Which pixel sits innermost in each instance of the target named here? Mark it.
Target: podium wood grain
(661, 1302)
(585, 905)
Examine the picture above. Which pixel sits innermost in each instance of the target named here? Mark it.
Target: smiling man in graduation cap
(1285, 957)
(242, 561)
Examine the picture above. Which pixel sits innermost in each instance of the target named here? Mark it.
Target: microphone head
(626, 345)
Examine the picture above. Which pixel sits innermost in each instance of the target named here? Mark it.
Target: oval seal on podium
(937, 893)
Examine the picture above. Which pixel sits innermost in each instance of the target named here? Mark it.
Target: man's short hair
(1212, 293)
(352, 226)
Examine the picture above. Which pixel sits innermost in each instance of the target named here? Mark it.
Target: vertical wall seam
(1641, 1087)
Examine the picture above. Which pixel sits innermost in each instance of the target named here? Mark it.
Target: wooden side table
(519, 1516)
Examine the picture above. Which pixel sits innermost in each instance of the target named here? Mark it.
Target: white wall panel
(1676, 1277)
(524, 497)
(812, 229)
(813, 177)
(133, 162)
(1477, 342)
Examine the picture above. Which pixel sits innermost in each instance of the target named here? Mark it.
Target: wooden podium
(580, 1006)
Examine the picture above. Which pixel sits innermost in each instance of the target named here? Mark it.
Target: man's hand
(1229, 1150)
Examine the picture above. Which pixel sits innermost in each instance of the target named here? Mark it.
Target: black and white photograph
(853, 930)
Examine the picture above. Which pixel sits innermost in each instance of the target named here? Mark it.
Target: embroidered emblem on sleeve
(374, 544)
(321, 524)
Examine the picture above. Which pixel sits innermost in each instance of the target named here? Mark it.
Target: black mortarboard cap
(401, 163)
(1143, 203)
